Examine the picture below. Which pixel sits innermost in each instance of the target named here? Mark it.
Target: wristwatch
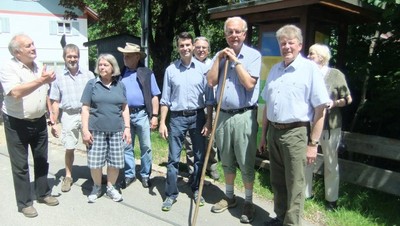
(236, 63)
(313, 143)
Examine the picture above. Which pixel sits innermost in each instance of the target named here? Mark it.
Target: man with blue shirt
(185, 94)
(142, 93)
(295, 96)
(236, 132)
(65, 94)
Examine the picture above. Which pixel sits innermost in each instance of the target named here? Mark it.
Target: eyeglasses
(234, 32)
(201, 47)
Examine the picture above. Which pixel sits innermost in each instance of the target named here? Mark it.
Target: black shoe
(273, 222)
(146, 182)
(126, 182)
(331, 206)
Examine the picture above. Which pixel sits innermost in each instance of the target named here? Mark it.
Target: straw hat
(132, 48)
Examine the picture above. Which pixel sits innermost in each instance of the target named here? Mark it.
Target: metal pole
(144, 18)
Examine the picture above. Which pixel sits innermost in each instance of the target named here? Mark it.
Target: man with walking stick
(236, 131)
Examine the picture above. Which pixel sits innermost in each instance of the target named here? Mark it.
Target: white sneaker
(96, 192)
(114, 194)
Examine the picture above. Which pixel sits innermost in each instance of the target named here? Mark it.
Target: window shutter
(5, 25)
(53, 27)
(75, 26)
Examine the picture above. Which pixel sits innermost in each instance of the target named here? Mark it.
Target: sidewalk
(140, 206)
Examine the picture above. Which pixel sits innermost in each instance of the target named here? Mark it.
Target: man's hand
(47, 76)
(153, 123)
(163, 130)
(55, 131)
(311, 153)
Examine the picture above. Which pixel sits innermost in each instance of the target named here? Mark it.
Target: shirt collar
(67, 72)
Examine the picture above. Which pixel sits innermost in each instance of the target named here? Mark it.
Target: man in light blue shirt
(295, 96)
(142, 95)
(185, 94)
(236, 132)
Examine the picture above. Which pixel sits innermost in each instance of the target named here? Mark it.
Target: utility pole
(144, 19)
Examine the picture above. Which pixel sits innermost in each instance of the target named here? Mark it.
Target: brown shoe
(29, 211)
(48, 200)
(224, 204)
(66, 184)
(248, 213)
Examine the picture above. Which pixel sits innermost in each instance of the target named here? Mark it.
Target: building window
(64, 28)
(54, 65)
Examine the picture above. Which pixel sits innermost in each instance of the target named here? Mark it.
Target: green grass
(359, 206)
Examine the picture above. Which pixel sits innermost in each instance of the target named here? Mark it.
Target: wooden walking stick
(210, 143)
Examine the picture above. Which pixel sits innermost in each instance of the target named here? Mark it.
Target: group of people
(302, 99)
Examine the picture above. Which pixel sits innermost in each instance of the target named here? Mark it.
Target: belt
(290, 125)
(187, 112)
(32, 119)
(133, 110)
(72, 111)
(240, 110)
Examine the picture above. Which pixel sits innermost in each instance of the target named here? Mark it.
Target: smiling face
(185, 48)
(235, 33)
(290, 49)
(71, 59)
(201, 50)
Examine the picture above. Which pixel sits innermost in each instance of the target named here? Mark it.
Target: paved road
(140, 206)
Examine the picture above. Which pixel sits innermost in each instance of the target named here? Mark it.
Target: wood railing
(365, 173)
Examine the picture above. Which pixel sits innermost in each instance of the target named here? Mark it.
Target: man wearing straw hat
(236, 131)
(142, 93)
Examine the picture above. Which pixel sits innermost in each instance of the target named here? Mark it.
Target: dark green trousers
(287, 153)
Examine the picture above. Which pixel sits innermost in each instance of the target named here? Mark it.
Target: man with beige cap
(142, 93)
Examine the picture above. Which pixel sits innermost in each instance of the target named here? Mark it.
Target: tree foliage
(376, 66)
(376, 74)
(167, 19)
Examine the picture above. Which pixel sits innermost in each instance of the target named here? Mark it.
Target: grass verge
(358, 206)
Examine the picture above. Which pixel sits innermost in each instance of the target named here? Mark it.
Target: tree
(167, 18)
(374, 72)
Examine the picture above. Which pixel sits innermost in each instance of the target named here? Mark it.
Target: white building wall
(37, 26)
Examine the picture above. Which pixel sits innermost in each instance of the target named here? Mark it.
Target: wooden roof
(264, 11)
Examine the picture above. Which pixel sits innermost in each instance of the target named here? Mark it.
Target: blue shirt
(235, 94)
(134, 92)
(185, 87)
(292, 93)
(105, 105)
(67, 89)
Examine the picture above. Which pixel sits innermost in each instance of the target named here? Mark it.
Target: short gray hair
(244, 28)
(322, 51)
(290, 31)
(111, 59)
(202, 38)
(14, 45)
(70, 47)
